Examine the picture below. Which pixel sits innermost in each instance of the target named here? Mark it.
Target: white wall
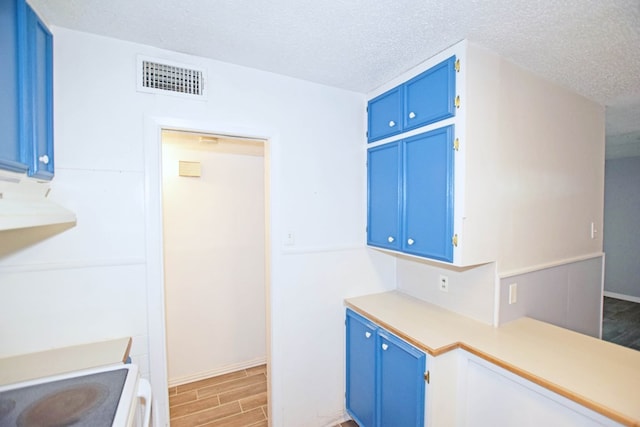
(622, 228)
(89, 282)
(471, 290)
(214, 255)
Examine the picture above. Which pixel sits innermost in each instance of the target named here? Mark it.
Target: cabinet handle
(410, 242)
(44, 159)
(392, 124)
(412, 115)
(385, 346)
(367, 334)
(390, 239)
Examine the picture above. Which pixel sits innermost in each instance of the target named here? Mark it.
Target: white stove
(112, 396)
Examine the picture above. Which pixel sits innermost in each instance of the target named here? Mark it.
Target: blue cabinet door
(361, 369)
(384, 192)
(429, 97)
(39, 146)
(428, 194)
(385, 115)
(401, 383)
(12, 49)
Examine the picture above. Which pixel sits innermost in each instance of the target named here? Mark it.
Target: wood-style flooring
(237, 399)
(621, 322)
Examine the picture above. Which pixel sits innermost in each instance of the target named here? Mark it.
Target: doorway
(214, 234)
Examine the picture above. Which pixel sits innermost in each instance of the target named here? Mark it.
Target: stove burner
(63, 407)
(82, 400)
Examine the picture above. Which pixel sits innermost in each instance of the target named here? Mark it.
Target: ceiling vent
(160, 76)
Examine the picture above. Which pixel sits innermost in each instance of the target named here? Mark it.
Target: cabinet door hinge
(456, 144)
(426, 377)
(454, 240)
(457, 65)
(457, 102)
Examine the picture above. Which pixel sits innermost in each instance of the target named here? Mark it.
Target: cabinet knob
(412, 115)
(392, 123)
(384, 346)
(410, 242)
(367, 334)
(44, 159)
(390, 239)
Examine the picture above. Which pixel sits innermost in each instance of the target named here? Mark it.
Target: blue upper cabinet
(385, 115)
(427, 98)
(428, 194)
(12, 49)
(384, 192)
(26, 91)
(40, 114)
(411, 195)
(430, 96)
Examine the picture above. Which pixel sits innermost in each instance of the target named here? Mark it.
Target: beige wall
(214, 258)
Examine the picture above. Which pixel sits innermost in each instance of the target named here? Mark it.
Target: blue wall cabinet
(385, 376)
(430, 96)
(428, 194)
(384, 196)
(12, 58)
(40, 114)
(411, 201)
(427, 98)
(385, 115)
(26, 93)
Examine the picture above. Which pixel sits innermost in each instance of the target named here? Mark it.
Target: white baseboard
(217, 371)
(621, 296)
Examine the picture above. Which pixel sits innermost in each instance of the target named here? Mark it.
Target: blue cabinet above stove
(26, 92)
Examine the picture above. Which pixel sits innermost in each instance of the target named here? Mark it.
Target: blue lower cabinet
(401, 383)
(361, 368)
(385, 377)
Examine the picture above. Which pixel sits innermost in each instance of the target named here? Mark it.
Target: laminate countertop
(599, 375)
(63, 360)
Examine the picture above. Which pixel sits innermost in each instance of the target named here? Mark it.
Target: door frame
(156, 327)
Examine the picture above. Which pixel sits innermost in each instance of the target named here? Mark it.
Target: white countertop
(602, 376)
(62, 360)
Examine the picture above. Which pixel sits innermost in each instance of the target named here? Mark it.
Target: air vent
(170, 78)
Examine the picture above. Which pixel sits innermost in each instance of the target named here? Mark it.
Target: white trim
(621, 296)
(153, 127)
(71, 265)
(218, 371)
(319, 249)
(544, 266)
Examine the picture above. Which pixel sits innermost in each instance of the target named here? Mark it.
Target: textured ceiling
(590, 46)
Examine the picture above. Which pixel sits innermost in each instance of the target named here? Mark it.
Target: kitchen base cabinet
(492, 396)
(385, 376)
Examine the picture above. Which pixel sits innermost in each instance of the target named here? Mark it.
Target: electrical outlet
(513, 293)
(443, 283)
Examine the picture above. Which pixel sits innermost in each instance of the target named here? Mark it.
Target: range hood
(24, 203)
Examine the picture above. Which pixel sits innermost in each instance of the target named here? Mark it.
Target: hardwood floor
(621, 322)
(237, 399)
